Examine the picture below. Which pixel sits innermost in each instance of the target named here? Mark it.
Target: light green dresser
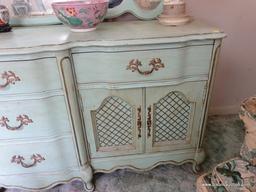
(128, 95)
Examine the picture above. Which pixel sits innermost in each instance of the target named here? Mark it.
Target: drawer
(30, 76)
(34, 118)
(38, 157)
(143, 65)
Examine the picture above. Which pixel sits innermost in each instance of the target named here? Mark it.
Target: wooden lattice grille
(172, 116)
(114, 123)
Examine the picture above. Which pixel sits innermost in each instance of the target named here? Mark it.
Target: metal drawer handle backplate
(36, 158)
(24, 120)
(10, 78)
(139, 123)
(149, 121)
(156, 64)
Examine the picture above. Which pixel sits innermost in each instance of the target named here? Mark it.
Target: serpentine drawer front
(37, 157)
(29, 119)
(29, 76)
(173, 62)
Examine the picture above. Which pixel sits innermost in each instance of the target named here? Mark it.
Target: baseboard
(224, 110)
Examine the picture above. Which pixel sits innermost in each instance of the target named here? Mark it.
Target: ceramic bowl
(81, 16)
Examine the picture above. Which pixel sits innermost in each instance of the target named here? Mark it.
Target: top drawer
(29, 76)
(181, 62)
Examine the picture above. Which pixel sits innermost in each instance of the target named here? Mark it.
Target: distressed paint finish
(77, 75)
(32, 76)
(38, 110)
(179, 63)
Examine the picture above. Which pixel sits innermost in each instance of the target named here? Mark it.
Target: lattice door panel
(114, 123)
(171, 118)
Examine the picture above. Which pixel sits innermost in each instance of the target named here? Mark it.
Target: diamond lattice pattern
(171, 118)
(114, 123)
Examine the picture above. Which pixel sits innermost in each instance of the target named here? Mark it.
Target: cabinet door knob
(10, 78)
(156, 64)
(149, 121)
(139, 122)
(24, 120)
(36, 158)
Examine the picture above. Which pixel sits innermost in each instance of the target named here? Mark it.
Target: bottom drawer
(50, 156)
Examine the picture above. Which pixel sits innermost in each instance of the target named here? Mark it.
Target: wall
(236, 72)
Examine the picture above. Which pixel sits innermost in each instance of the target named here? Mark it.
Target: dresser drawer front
(26, 158)
(30, 76)
(144, 65)
(40, 118)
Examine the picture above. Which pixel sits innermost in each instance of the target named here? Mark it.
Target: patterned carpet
(224, 137)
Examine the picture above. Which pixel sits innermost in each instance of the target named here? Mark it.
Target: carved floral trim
(139, 121)
(149, 121)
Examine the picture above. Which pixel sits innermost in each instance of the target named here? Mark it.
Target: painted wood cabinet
(175, 113)
(143, 120)
(128, 95)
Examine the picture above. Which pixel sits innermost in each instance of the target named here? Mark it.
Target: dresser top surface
(58, 37)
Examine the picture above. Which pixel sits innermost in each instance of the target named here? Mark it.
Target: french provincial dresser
(128, 95)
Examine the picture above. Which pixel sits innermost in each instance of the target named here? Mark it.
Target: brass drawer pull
(139, 123)
(149, 121)
(24, 120)
(10, 78)
(20, 160)
(156, 64)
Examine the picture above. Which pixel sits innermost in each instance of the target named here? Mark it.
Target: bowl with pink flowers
(81, 16)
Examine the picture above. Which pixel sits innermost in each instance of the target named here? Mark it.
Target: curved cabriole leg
(196, 167)
(199, 158)
(87, 176)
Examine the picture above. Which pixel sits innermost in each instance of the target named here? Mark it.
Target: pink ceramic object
(4, 15)
(81, 16)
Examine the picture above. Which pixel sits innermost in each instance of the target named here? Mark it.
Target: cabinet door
(173, 116)
(113, 121)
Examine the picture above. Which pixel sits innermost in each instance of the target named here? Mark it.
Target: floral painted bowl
(81, 16)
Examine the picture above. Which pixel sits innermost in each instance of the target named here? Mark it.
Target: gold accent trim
(156, 64)
(146, 169)
(67, 98)
(215, 52)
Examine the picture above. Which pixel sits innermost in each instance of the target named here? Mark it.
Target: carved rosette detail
(23, 119)
(156, 63)
(36, 158)
(10, 78)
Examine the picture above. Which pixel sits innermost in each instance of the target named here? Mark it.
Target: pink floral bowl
(81, 16)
